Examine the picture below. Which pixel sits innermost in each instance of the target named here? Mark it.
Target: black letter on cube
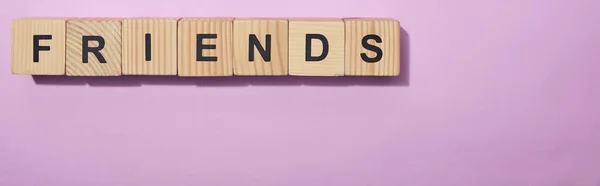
(373, 48)
(37, 48)
(200, 47)
(265, 53)
(148, 43)
(95, 50)
(309, 38)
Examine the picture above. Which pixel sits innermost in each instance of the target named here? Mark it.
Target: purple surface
(492, 93)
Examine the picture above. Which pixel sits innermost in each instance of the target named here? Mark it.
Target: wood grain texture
(187, 44)
(163, 46)
(278, 29)
(333, 30)
(107, 28)
(388, 30)
(50, 62)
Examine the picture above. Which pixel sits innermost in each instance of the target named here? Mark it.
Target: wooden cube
(260, 47)
(316, 47)
(372, 47)
(93, 47)
(205, 47)
(38, 46)
(149, 46)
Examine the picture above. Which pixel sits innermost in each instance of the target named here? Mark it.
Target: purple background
(492, 93)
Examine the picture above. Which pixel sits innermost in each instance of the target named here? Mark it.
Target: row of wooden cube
(206, 46)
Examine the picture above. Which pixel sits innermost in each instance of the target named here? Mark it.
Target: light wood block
(362, 46)
(97, 31)
(205, 47)
(320, 32)
(273, 63)
(149, 46)
(48, 34)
